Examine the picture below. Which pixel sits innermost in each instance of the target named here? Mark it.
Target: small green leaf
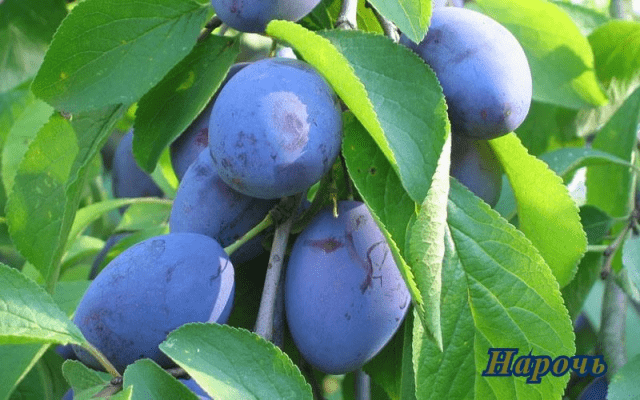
(410, 16)
(29, 315)
(616, 47)
(26, 28)
(499, 294)
(548, 127)
(44, 381)
(547, 215)
(560, 57)
(69, 294)
(565, 162)
(585, 18)
(625, 384)
(81, 377)
(231, 363)
(149, 381)
(25, 128)
(110, 52)
(609, 186)
(168, 109)
(389, 89)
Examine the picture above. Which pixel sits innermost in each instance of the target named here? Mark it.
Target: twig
(347, 17)
(209, 27)
(610, 251)
(347, 180)
(101, 359)
(265, 322)
(617, 9)
(363, 386)
(388, 27)
(612, 328)
(255, 231)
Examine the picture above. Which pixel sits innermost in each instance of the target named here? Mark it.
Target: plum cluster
(274, 129)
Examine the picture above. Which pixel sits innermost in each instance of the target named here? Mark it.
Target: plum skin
(185, 149)
(275, 129)
(483, 71)
(129, 180)
(205, 204)
(254, 15)
(344, 295)
(151, 289)
(475, 165)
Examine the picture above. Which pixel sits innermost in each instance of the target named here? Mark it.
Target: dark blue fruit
(128, 179)
(254, 15)
(151, 289)
(205, 204)
(483, 71)
(475, 165)
(196, 137)
(195, 388)
(275, 129)
(344, 295)
(596, 390)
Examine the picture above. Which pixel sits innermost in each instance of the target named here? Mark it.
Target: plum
(195, 138)
(483, 71)
(254, 15)
(129, 180)
(475, 165)
(275, 129)
(596, 390)
(205, 204)
(344, 295)
(195, 388)
(151, 289)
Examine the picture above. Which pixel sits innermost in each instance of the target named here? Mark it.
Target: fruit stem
(316, 204)
(363, 386)
(101, 359)
(272, 287)
(209, 27)
(347, 17)
(255, 231)
(387, 26)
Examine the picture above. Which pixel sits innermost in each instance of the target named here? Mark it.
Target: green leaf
(48, 185)
(577, 291)
(585, 18)
(631, 259)
(44, 381)
(232, 363)
(69, 294)
(548, 127)
(616, 47)
(110, 52)
(596, 223)
(144, 215)
(26, 27)
(547, 215)
(499, 294)
(565, 162)
(81, 377)
(388, 88)
(17, 361)
(426, 245)
(609, 186)
(410, 16)
(149, 381)
(385, 369)
(25, 128)
(560, 57)
(625, 384)
(29, 315)
(168, 109)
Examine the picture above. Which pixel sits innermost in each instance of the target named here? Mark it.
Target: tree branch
(612, 328)
(347, 19)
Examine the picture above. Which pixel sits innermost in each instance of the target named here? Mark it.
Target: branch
(388, 27)
(255, 231)
(610, 251)
(363, 385)
(347, 18)
(272, 288)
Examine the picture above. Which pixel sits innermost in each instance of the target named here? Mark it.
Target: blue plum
(475, 165)
(205, 204)
(275, 129)
(129, 180)
(68, 395)
(195, 388)
(195, 138)
(344, 295)
(151, 289)
(596, 390)
(254, 15)
(483, 71)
